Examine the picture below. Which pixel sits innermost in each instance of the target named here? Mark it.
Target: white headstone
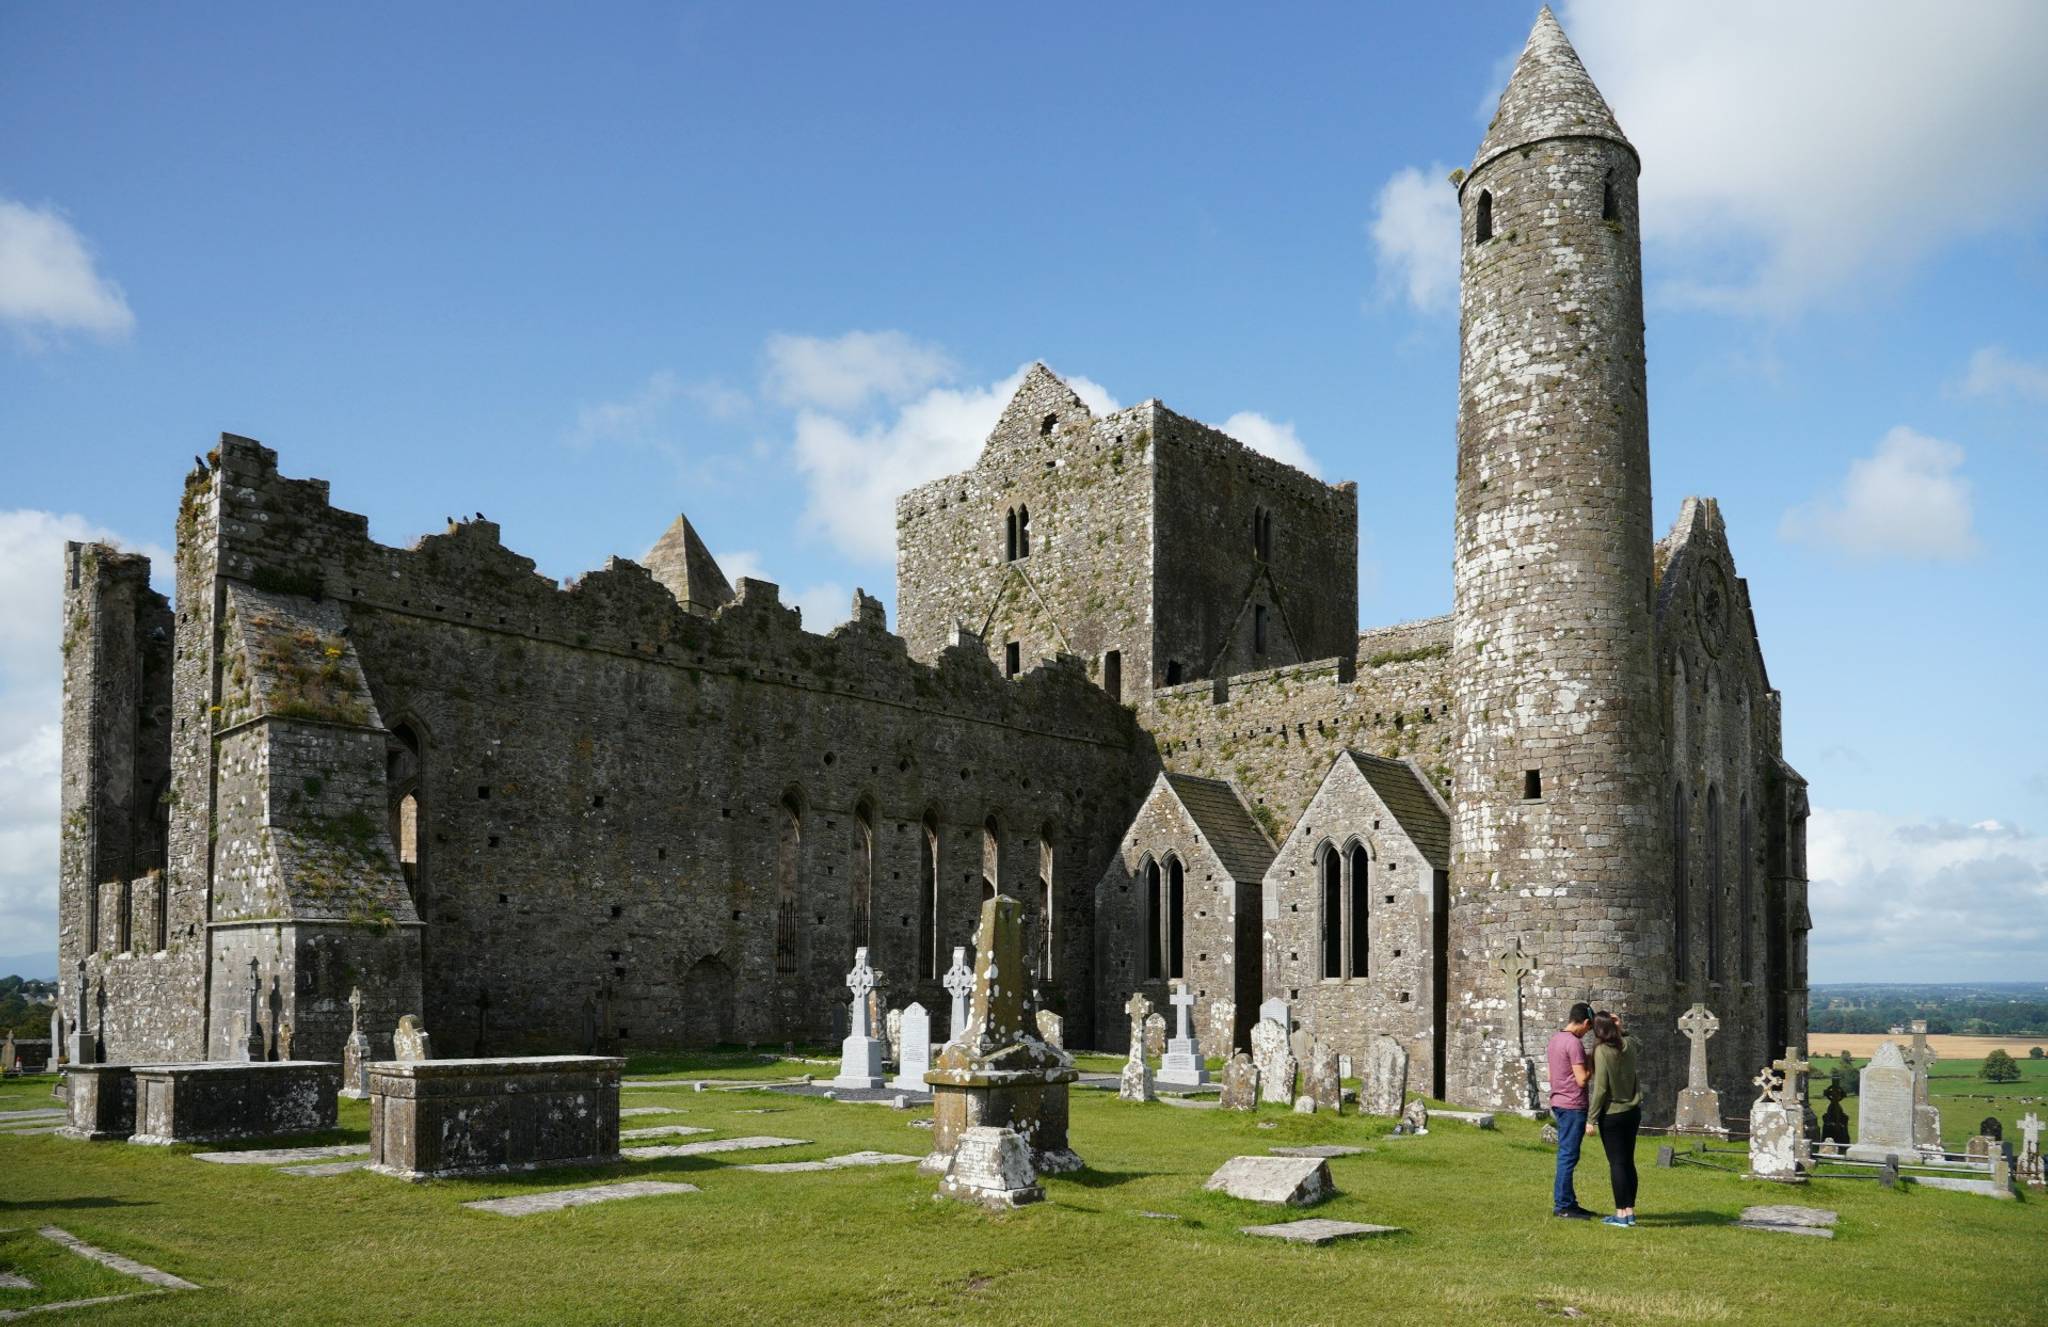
(1884, 1107)
(1276, 1062)
(914, 1048)
(1278, 1010)
(1182, 1064)
(959, 983)
(860, 1055)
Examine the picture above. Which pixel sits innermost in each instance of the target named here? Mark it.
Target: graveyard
(762, 1233)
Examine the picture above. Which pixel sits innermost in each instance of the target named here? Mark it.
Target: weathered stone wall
(1737, 918)
(1551, 649)
(1218, 917)
(614, 856)
(1395, 996)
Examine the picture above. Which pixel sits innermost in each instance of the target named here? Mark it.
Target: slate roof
(1421, 816)
(1550, 95)
(1221, 815)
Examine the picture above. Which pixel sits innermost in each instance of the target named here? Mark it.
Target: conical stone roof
(1549, 96)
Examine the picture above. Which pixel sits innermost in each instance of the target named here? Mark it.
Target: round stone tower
(1558, 861)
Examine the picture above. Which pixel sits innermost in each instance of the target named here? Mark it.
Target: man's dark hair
(1581, 1013)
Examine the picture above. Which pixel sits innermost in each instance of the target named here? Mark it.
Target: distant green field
(1964, 1098)
(867, 1246)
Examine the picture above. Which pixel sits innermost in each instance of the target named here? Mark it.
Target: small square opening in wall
(1013, 659)
(483, 792)
(1532, 784)
(494, 840)
(618, 911)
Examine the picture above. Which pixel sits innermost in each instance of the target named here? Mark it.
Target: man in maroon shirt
(1568, 1074)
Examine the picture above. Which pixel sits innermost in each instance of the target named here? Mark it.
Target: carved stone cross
(1140, 1009)
(1698, 1024)
(355, 1010)
(959, 983)
(2030, 1132)
(1183, 1002)
(1513, 965)
(1794, 1069)
(860, 981)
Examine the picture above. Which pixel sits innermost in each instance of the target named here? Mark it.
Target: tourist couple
(1604, 1098)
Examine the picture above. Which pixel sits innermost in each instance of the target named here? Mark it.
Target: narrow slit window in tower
(862, 886)
(1745, 908)
(788, 848)
(1532, 785)
(1010, 535)
(1608, 211)
(1013, 659)
(991, 860)
(1680, 905)
(1713, 883)
(1045, 909)
(1483, 231)
(1113, 674)
(928, 901)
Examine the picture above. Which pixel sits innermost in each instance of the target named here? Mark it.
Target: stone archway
(707, 1003)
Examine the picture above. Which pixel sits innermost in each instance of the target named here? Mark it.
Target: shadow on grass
(65, 1204)
(1090, 1178)
(1684, 1219)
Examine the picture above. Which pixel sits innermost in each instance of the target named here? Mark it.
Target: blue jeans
(1571, 1132)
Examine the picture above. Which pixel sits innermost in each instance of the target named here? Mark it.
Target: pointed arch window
(1010, 533)
(862, 885)
(1680, 904)
(1155, 923)
(991, 861)
(788, 851)
(1482, 230)
(1045, 907)
(1745, 900)
(1333, 912)
(928, 898)
(1713, 883)
(1360, 917)
(1176, 930)
(124, 922)
(1023, 531)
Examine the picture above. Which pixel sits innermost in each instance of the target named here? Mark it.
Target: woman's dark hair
(1607, 1029)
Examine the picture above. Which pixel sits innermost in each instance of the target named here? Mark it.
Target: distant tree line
(1963, 1016)
(24, 1006)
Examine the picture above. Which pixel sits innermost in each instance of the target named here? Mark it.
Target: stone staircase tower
(1558, 855)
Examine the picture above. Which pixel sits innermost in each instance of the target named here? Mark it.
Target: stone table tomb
(224, 1100)
(434, 1118)
(101, 1098)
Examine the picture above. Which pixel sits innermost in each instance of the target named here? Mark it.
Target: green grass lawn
(1955, 1088)
(857, 1246)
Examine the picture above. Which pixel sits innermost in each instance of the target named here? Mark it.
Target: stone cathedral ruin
(1127, 687)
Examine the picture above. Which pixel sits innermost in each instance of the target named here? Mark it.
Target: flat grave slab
(39, 1113)
(1281, 1181)
(1317, 1230)
(832, 1163)
(663, 1131)
(631, 1111)
(274, 1156)
(1188, 1102)
(1324, 1150)
(328, 1168)
(1789, 1219)
(864, 1094)
(1960, 1184)
(709, 1146)
(15, 1281)
(38, 1129)
(1478, 1119)
(125, 1266)
(554, 1200)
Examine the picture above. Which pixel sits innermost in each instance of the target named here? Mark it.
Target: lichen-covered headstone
(1155, 1036)
(1385, 1088)
(1324, 1085)
(1276, 1062)
(1415, 1117)
(1222, 1026)
(1240, 1083)
(410, 1041)
(1052, 1029)
(1778, 1148)
(1136, 1081)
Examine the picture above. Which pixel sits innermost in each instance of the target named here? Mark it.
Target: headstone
(959, 983)
(410, 1041)
(1884, 1112)
(1278, 1010)
(1280, 1181)
(1304, 1104)
(1699, 1105)
(1323, 1085)
(1136, 1082)
(1182, 1064)
(1276, 1062)
(1926, 1118)
(1222, 1025)
(1990, 1127)
(894, 1025)
(1240, 1083)
(1834, 1126)
(992, 1166)
(1155, 1036)
(1778, 1147)
(355, 1052)
(1415, 1117)
(1052, 1029)
(1981, 1147)
(860, 1054)
(1385, 1089)
(1550, 1134)
(8, 1057)
(914, 1053)
(2029, 1168)
(1848, 1072)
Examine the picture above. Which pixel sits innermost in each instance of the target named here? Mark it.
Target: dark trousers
(1618, 1137)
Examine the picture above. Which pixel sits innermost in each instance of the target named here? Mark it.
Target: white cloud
(1905, 500)
(48, 281)
(1278, 441)
(855, 469)
(634, 419)
(825, 605)
(1797, 151)
(843, 373)
(1415, 232)
(1995, 372)
(1901, 899)
(31, 694)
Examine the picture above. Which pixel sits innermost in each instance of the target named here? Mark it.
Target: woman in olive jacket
(1614, 1109)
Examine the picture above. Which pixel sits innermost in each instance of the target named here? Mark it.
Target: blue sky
(583, 270)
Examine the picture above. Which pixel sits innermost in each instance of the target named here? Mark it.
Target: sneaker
(1582, 1213)
(1630, 1220)
(1573, 1214)
(1621, 1221)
